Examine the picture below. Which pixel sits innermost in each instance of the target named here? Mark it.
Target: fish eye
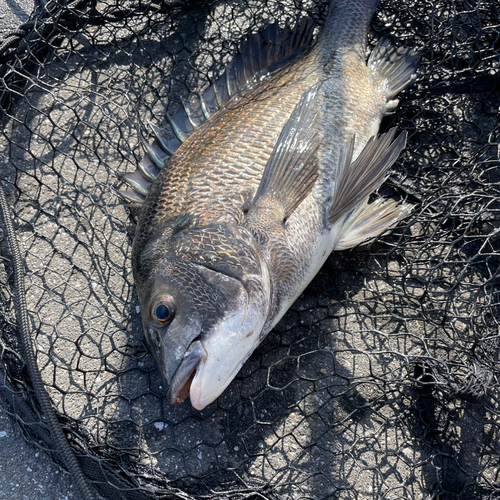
(162, 310)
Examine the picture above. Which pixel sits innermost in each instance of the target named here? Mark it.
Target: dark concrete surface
(26, 473)
(13, 13)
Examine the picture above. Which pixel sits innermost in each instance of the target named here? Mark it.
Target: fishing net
(382, 379)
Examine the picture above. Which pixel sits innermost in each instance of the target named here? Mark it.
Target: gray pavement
(13, 13)
(26, 472)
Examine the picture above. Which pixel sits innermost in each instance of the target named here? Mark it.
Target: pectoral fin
(292, 168)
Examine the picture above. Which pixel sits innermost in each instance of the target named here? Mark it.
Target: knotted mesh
(382, 379)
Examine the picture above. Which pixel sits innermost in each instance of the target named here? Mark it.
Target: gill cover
(233, 256)
(204, 308)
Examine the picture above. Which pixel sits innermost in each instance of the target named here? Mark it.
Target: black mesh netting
(380, 382)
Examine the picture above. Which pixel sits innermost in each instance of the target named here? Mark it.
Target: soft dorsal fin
(262, 51)
(260, 54)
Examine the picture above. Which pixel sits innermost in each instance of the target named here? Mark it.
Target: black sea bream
(252, 186)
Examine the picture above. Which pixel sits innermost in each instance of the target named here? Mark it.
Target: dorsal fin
(260, 54)
(262, 51)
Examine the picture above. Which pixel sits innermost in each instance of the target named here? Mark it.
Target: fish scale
(242, 150)
(261, 192)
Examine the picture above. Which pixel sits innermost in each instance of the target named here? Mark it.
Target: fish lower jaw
(180, 385)
(188, 389)
(206, 388)
(182, 394)
(197, 401)
(198, 391)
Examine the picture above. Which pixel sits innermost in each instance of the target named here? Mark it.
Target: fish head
(204, 305)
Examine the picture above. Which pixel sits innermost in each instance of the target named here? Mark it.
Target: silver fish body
(250, 206)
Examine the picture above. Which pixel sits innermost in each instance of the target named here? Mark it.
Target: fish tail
(346, 24)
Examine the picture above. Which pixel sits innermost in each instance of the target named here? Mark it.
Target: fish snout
(171, 344)
(181, 382)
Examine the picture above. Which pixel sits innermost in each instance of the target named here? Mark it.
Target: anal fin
(395, 66)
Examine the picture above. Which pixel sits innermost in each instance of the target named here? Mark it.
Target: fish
(254, 183)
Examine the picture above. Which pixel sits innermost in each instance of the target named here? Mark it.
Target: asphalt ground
(26, 472)
(13, 13)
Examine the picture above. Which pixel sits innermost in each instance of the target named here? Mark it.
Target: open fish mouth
(203, 369)
(184, 375)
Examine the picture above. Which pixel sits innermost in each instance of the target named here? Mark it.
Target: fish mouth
(185, 373)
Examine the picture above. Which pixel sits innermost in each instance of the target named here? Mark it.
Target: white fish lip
(181, 382)
(226, 353)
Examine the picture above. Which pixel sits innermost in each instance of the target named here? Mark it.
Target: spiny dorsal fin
(292, 168)
(356, 180)
(261, 53)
